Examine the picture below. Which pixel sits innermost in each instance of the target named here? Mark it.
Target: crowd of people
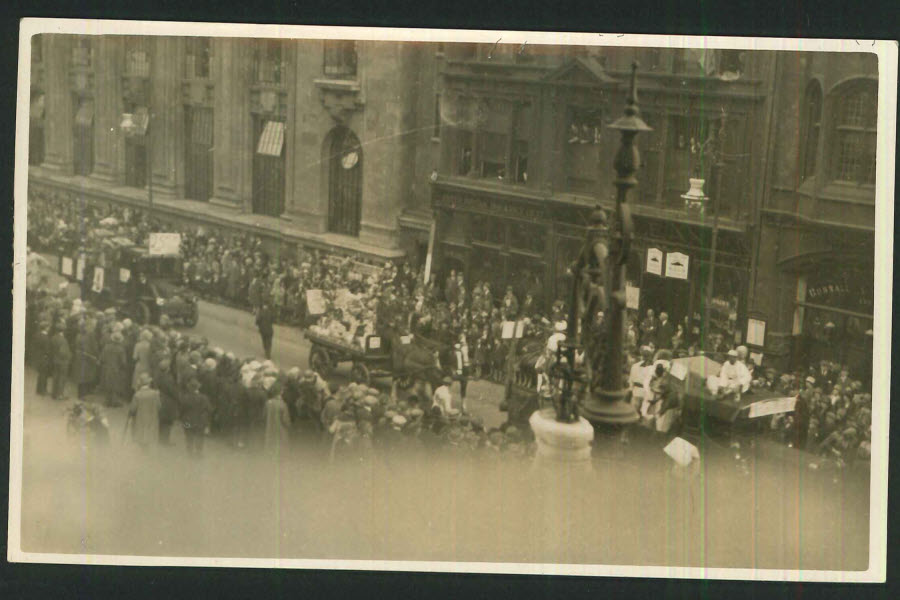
(71, 341)
(166, 378)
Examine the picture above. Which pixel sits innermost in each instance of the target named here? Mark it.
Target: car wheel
(360, 373)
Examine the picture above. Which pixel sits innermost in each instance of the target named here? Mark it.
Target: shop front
(530, 244)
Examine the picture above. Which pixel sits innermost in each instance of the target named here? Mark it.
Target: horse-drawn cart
(400, 358)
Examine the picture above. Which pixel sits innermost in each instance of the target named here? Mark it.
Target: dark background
(863, 21)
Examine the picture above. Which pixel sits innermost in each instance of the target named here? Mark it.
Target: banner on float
(677, 265)
(79, 268)
(654, 261)
(764, 408)
(97, 285)
(164, 244)
(315, 303)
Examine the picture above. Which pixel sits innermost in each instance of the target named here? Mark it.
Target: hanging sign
(164, 243)
(520, 328)
(632, 297)
(124, 275)
(509, 330)
(315, 303)
(756, 332)
(66, 267)
(677, 265)
(97, 285)
(79, 268)
(654, 261)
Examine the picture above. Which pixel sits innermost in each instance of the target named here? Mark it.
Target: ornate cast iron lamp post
(600, 283)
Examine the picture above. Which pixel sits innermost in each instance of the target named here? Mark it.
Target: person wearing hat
(144, 409)
(443, 397)
(42, 356)
(113, 370)
(278, 422)
(61, 356)
(265, 321)
(461, 366)
(734, 378)
(142, 356)
(664, 331)
(638, 374)
(195, 412)
(168, 395)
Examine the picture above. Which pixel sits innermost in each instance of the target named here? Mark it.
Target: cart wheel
(360, 373)
(320, 362)
(404, 382)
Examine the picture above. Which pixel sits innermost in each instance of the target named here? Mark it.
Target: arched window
(853, 146)
(812, 117)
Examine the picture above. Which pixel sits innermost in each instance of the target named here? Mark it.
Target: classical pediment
(581, 71)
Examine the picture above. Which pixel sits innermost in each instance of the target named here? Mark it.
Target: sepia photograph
(438, 300)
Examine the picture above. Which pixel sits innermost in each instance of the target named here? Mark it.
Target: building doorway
(344, 182)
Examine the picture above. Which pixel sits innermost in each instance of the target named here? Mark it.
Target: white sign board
(654, 261)
(764, 408)
(520, 328)
(66, 266)
(405, 339)
(632, 297)
(97, 285)
(124, 275)
(164, 243)
(756, 332)
(678, 370)
(677, 265)
(509, 330)
(374, 342)
(682, 451)
(315, 303)
(79, 268)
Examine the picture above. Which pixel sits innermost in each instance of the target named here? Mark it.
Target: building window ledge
(338, 85)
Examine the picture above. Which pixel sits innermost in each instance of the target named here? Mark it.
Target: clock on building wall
(349, 160)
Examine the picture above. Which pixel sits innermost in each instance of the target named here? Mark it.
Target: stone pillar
(109, 143)
(231, 123)
(60, 111)
(561, 445)
(166, 117)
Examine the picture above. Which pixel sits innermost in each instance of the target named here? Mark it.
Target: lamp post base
(609, 408)
(561, 444)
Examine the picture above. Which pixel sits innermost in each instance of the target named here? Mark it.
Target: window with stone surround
(197, 57)
(340, 59)
(137, 56)
(269, 62)
(812, 116)
(82, 51)
(854, 137)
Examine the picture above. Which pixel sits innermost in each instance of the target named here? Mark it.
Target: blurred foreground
(636, 510)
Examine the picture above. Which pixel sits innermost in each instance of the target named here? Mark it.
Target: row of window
(340, 58)
(850, 143)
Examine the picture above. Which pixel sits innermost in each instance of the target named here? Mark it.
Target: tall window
(197, 56)
(812, 116)
(583, 132)
(81, 51)
(853, 150)
(137, 56)
(269, 62)
(340, 58)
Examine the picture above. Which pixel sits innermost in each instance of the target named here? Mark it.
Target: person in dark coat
(113, 370)
(86, 358)
(42, 357)
(265, 320)
(664, 332)
(195, 411)
(168, 395)
(61, 357)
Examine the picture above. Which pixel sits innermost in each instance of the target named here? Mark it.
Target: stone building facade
(814, 275)
(306, 141)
